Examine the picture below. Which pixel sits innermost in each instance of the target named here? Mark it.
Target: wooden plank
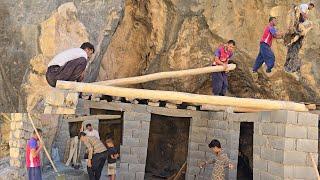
(208, 107)
(165, 75)
(251, 103)
(93, 117)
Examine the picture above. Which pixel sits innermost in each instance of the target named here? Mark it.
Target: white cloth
(304, 8)
(67, 55)
(93, 133)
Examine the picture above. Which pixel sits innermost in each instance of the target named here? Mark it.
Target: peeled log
(92, 117)
(164, 75)
(180, 96)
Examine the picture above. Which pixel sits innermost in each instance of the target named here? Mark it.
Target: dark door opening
(109, 127)
(167, 146)
(245, 157)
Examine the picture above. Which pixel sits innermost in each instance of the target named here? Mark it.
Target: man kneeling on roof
(69, 65)
(220, 79)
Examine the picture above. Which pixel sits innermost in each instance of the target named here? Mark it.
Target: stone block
(71, 99)
(196, 138)
(276, 169)
(292, 117)
(124, 167)
(128, 116)
(307, 145)
(63, 110)
(279, 116)
(260, 164)
(288, 172)
(193, 146)
(145, 125)
(302, 172)
(132, 125)
(257, 150)
(55, 97)
(15, 152)
(235, 126)
(268, 176)
(269, 129)
(139, 150)
(137, 167)
(129, 159)
(199, 122)
(313, 133)
(196, 154)
(272, 154)
(281, 129)
(125, 150)
(199, 130)
(126, 175)
(142, 116)
(308, 119)
(265, 117)
(294, 158)
(192, 170)
(249, 117)
(282, 143)
(213, 124)
(140, 133)
(131, 141)
(204, 148)
(259, 140)
(256, 174)
(293, 131)
(139, 175)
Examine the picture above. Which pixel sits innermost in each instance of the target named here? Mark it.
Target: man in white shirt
(69, 65)
(304, 10)
(91, 132)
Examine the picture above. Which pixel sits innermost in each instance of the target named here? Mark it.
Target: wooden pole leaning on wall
(180, 96)
(164, 75)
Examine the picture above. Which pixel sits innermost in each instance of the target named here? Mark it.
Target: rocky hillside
(136, 37)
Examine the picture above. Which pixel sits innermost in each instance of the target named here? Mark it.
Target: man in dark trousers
(97, 155)
(266, 54)
(220, 79)
(69, 65)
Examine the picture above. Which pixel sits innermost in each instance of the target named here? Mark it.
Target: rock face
(141, 37)
(32, 32)
(171, 35)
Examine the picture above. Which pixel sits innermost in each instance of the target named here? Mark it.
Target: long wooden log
(180, 96)
(92, 117)
(164, 75)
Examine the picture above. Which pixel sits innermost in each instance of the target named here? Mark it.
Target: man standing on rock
(266, 54)
(69, 65)
(33, 157)
(220, 79)
(97, 155)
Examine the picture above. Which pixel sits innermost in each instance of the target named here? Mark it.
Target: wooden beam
(180, 96)
(93, 117)
(164, 75)
(208, 107)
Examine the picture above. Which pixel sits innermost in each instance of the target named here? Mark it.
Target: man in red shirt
(33, 157)
(220, 79)
(266, 54)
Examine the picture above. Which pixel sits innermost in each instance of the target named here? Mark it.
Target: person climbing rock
(300, 25)
(221, 58)
(33, 161)
(97, 155)
(266, 54)
(69, 65)
(220, 163)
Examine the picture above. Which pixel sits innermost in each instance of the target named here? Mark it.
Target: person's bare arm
(218, 62)
(35, 152)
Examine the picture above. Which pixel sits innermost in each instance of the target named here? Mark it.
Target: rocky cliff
(136, 37)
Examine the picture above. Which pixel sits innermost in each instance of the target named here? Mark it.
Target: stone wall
(135, 144)
(21, 131)
(282, 143)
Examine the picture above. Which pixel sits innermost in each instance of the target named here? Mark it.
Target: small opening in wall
(245, 157)
(167, 146)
